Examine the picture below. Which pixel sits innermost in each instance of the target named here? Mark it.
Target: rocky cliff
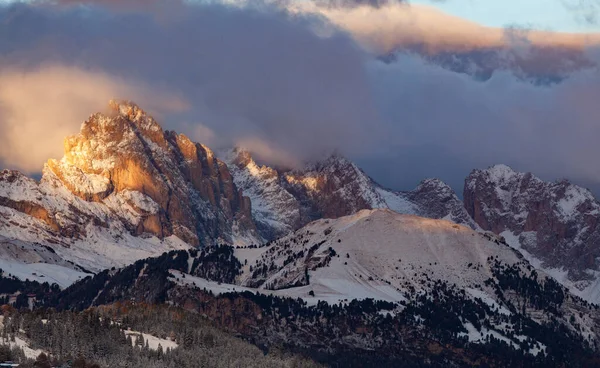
(285, 200)
(122, 178)
(557, 223)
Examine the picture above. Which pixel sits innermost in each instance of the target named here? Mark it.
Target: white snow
(21, 343)
(381, 255)
(152, 340)
(574, 196)
(488, 300)
(399, 248)
(397, 202)
(140, 201)
(500, 173)
(332, 291)
(101, 248)
(479, 336)
(42, 272)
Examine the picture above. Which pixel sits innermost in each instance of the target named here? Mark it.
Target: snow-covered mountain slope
(67, 237)
(283, 201)
(428, 278)
(556, 225)
(384, 255)
(374, 247)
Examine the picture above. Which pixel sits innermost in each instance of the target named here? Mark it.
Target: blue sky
(555, 15)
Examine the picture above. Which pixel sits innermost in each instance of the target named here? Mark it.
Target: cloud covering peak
(292, 82)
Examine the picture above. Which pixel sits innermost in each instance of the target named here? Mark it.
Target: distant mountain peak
(434, 183)
(555, 222)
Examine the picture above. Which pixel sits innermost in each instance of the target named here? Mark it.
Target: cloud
(451, 123)
(40, 107)
(248, 74)
(584, 11)
(354, 3)
(292, 84)
(398, 25)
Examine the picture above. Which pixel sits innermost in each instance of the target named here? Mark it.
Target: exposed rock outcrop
(284, 201)
(558, 223)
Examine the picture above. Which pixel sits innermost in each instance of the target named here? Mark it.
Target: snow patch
(153, 341)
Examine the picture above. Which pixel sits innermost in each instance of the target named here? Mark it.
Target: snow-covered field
(153, 341)
(41, 272)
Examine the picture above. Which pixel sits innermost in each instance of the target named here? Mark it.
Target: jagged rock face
(276, 211)
(555, 222)
(284, 201)
(151, 181)
(435, 199)
(333, 188)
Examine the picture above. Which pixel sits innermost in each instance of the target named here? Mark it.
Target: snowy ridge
(105, 240)
(379, 245)
(274, 209)
(283, 201)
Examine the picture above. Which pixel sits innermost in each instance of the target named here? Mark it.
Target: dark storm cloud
(447, 123)
(259, 77)
(290, 86)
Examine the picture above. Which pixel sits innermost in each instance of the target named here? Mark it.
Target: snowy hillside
(427, 278)
(383, 255)
(374, 249)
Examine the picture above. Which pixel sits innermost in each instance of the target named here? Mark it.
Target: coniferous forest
(103, 337)
(141, 316)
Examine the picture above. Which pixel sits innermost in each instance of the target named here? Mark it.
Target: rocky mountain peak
(434, 185)
(133, 113)
(556, 222)
(240, 157)
(175, 186)
(434, 198)
(335, 161)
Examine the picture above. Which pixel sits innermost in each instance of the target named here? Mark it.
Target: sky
(406, 91)
(556, 15)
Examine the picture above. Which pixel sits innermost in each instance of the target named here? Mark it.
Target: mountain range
(133, 212)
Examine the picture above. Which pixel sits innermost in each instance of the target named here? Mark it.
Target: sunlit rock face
(123, 168)
(557, 223)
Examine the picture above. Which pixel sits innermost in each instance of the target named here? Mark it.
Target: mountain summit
(190, 191)
(124, 190)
